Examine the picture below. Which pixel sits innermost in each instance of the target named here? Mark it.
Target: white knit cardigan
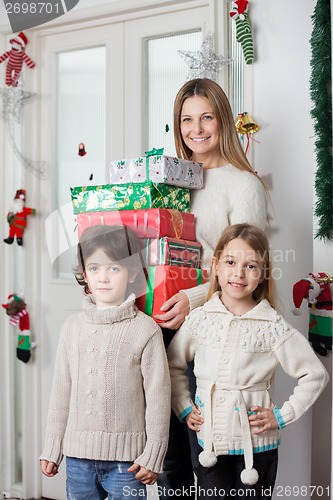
(234, 362)
(110, 398)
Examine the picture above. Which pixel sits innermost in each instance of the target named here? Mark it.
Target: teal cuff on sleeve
(184, 413)
(279, 418)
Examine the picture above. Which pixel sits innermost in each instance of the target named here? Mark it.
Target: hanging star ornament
(13, 99)
(204, 63)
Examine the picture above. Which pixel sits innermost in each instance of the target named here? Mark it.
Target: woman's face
(199, 128)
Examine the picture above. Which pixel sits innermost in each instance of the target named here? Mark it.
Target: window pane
(166, 72)
(236, 73)
(81, 104)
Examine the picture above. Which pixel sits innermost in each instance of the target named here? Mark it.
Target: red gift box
(163, 282)
(150, 223)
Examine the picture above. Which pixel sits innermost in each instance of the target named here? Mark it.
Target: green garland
(321, 96)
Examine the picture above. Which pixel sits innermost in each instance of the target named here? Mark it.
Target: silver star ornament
(204, 63)
(13, 99)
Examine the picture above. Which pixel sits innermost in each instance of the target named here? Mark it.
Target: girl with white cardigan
(237, 340)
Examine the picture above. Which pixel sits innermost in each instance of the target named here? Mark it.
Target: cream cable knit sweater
(110, 398)
(234, 362)
(230, 196)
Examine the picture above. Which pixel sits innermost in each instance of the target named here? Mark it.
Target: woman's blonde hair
(230, 146)
(258, 241)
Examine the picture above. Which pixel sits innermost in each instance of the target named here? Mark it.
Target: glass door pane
(165, 73)
(81, 132)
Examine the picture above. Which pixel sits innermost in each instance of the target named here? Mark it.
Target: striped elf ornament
(239, 12)
(16, 57)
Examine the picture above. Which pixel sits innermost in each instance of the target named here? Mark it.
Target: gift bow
(154, 152)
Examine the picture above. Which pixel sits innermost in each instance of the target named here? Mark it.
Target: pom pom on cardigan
(249, 476)
(207, 459)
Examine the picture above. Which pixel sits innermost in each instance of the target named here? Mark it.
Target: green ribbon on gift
(152, 152)
(150, 290)
(199, 276)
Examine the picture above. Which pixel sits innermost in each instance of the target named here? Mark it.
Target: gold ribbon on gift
(177, 222)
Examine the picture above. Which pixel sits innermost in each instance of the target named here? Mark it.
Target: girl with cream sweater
(237, 340)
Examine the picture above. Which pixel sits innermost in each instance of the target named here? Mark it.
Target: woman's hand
(194, 419)
(144, 475)
(49, 469)
(264, 419)
(177, 307)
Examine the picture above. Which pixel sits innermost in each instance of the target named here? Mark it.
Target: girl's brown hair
(258, 241)
(120, 244)
(230, 146)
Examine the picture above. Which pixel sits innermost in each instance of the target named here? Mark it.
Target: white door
(66, 93)
(125, 45)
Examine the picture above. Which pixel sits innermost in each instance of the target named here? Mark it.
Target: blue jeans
(98, 479)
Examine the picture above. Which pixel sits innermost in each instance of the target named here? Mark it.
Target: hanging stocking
(16, 309)
(239, 13)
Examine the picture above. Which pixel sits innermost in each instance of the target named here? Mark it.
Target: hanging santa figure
(318, 291)
(16, 57)
(17, 218)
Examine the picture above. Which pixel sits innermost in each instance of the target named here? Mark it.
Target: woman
(205, 132)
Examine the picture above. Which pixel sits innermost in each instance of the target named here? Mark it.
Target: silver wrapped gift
(157, 168)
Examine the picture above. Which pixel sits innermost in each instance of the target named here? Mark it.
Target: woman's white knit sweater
(234, 362)
(230, 196)
(110, 398)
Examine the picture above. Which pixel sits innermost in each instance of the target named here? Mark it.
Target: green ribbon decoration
(199, 276)
(152, 152)
(150, 290)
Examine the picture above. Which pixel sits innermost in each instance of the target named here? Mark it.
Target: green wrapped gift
(136, 196)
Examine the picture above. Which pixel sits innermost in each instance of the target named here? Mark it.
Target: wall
(281, 105)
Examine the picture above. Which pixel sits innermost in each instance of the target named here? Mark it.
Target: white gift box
(159, 169)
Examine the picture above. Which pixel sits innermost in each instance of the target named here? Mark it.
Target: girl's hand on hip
(177, 307)
(144, 475)
(194, 419)
(264, 419)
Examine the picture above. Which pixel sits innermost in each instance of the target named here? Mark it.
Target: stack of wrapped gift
(151, 195)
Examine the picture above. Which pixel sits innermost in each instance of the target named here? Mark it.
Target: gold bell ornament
(246, 125)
